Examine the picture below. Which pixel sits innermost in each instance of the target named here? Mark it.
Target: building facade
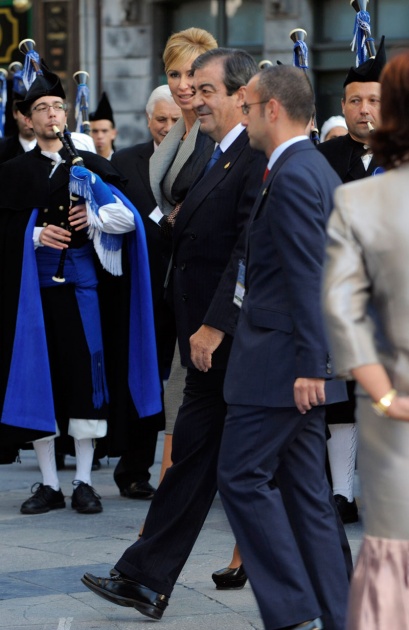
(120, 42)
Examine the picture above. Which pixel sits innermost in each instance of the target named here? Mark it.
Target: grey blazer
(168, 155)
(366, 286)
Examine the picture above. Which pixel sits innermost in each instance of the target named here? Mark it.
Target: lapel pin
(264, 191)
(227, 165)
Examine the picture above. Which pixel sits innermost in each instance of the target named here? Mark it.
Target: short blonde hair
(186, 44)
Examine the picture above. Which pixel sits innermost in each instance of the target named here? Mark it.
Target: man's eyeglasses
(245, 108)
(44, 107)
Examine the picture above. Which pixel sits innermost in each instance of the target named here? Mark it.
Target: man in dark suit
(351, 157)
(206, 251)
(272, 459)
(132, 471)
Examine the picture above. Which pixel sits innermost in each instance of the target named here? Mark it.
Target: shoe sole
(87, 510)
(58, 506)
(230, 587)
(145, 609)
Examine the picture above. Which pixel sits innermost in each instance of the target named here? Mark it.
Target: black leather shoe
(119, 590)
(348, 511)
(138, 490)
(43, 500)
(227, 578)
(84, 499)
(316, 624)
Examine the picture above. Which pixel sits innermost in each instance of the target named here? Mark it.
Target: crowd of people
(211, 258)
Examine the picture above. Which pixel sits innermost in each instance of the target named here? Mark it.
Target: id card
(240, 290)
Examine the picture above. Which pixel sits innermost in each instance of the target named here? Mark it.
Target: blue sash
(29, 401)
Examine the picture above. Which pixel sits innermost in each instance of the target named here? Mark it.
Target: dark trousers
(184, 497)
(134, 464)
(277, 498)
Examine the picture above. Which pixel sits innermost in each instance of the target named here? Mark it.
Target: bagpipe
(82, 102)
(300, 60)
(362, 42)
(3, 99)
(85, 187)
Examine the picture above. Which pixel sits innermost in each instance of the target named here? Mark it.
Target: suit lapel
(163, 157)
(204, 185)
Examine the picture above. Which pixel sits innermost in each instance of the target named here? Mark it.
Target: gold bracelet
(382, 406)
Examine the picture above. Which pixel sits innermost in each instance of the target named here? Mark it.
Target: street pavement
(44, 556)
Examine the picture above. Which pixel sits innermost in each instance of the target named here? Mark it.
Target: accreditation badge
(240, 290)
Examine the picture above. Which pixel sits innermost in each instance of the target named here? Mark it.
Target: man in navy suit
(206, 251)
(272, 460)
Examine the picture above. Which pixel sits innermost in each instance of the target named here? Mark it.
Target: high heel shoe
(228, 578)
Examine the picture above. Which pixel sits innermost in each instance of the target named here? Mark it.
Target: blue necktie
(215, 156)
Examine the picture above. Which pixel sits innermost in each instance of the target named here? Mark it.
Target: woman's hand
(399, 408)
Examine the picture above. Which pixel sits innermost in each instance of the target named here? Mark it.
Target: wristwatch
(382, 406)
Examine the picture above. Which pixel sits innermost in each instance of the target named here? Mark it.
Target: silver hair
(161, 93)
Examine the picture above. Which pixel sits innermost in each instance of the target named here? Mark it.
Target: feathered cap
(370, 70)
(45, 84)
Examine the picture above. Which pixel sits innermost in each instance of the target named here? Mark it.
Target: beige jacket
(366, 283)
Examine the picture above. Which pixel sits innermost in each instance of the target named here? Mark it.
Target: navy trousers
(274, 488)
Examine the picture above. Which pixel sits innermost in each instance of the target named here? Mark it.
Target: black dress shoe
(138, 490)
(43, 500)
(316, 624)
(124, 592)
(348, 510)
(84, 499)
(227, 578)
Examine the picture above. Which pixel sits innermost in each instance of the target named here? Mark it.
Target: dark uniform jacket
(344, 154)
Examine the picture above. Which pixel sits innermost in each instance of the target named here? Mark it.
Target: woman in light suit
(366, 299)
(173, 167)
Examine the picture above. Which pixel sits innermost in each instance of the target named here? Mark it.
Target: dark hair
(239, 66)
(390, 142)
(291, 87)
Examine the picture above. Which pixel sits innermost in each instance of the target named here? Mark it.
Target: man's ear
(272, 108)
(28, 121)
(241, 95)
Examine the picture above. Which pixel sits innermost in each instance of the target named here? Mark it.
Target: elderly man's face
(163, 117)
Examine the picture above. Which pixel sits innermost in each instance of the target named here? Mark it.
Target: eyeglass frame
(245, 108)
(61, 107)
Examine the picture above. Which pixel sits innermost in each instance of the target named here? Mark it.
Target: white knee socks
(84, 453)
(45, 451)
(342, 455)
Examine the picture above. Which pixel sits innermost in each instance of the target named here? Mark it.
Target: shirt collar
(230, 137)
(281, 148)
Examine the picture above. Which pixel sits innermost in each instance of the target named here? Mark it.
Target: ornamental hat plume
(370, 70)
(45, 84)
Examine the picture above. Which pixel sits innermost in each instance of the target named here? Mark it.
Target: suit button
(45, 210)
(329, 370)
(62, 224)
(45, 224)
(60, 207)
(183, 266)
(193, 236)
(184, 297)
